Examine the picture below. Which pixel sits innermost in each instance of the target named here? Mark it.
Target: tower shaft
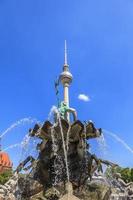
(66, 94)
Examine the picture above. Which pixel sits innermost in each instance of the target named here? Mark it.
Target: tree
(126, 173)
(132, 174)
(5, 176)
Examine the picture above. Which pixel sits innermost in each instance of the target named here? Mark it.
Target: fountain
(64, 168)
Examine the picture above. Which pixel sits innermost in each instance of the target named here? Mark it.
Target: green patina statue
(64, 110)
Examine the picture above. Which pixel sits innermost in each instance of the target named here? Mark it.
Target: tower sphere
(66, 77)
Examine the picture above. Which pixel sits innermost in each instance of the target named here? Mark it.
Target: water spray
(116, 137)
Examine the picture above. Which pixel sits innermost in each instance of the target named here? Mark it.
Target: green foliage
(132, 174)
(5, 176)
(126, 173)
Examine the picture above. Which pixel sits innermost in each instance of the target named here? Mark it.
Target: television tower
(66, 78)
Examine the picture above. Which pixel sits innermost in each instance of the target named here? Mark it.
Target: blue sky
(100, 53)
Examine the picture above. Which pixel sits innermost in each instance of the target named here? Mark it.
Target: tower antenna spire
(65, 53)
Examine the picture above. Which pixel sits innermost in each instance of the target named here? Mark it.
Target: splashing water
(85, 146)
(24, 146)
(102, 144)
(20, 145)
(67, 139)
(54, 148)
(119, 140)
(18, 123)
(54, 145)
(64, 148)
(25, 140)
(28, 147)
(52, 111)
(12, 146)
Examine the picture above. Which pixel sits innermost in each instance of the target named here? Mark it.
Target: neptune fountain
(64, 168)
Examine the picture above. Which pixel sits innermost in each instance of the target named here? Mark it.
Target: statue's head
(62, 104)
